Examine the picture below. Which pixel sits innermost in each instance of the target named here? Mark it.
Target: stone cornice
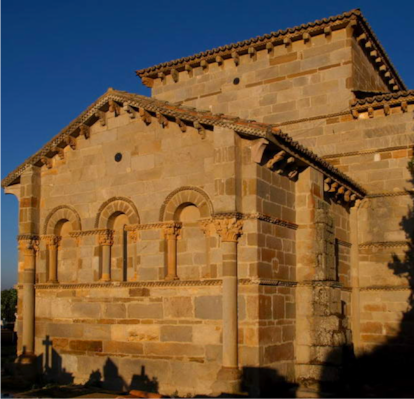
(92, 232)
(281, 37)
(189, 115)
(384, 244)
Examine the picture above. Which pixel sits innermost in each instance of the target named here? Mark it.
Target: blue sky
(59, 56)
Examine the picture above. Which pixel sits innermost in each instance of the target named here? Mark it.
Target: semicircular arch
(113, 206)
(62, 212)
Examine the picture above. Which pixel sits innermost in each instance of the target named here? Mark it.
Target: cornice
(384, 244)
(134, 103)
(280, 37)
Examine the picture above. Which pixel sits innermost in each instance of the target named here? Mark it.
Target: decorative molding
(384, 244)
(148, 226)
(386, 288)
(92, 232)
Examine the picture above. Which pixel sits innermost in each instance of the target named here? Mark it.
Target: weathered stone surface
(208, 307)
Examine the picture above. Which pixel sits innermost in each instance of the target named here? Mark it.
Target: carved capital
(229, 229)
(206, 226)
(28, 244)
(133, 235)
(172, 231)
(106, 239)
(51, 240)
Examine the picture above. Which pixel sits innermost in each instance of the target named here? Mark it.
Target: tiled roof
(190, 116)
(259, 43)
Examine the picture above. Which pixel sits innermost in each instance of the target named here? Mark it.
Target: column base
(53, 282)
(105, 278)
(228, 381)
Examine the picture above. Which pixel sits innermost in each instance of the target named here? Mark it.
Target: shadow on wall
(387, 371)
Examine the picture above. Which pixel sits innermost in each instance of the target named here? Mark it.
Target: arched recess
(59, 214)
(170, 208)
(114, 214)
(116, 206)
(62, 254)
(189, 254)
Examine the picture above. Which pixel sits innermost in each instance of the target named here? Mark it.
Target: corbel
(277, 158)
(189, 69)
(59, 151)
(84, 131)
(373, 53)
(201, 129)
(129, 110)
(383, 68)
(287, 41)
(341, 190)
(147, 81)
(293, 173)
(219, 60)
(72, 142)
(387, 109)
(371, 112)
(101, 116)
(353, 23)
(252, 52)
(162, 120)
(378, 60)
(362, 37)
(114, 107)
(326, 184)
(404, 106)
(395, 88)
(327, 30)
(161, 75)
(236, 58)
(347, 195)
(290, 160)
(181, 125)
(145, 116)
(355, 114)
(47, 161)
(387, 74)
(353, 197)
(306, 37)
(269, 47)
(204, 64)
(368, 45)
(333, 188)
(175, 75)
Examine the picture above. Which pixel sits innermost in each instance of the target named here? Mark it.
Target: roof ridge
(242, 126)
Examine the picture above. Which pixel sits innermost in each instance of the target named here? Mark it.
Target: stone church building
(236, 228)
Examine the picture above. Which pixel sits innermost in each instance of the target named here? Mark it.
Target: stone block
(145, 310)
(178, 307)
(209, 307)
(115, 311)
(173, 349)
(127, 348)
(83, 345)
(176, 333)
(86, 310)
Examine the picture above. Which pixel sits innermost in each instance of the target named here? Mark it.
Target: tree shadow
(388, 370)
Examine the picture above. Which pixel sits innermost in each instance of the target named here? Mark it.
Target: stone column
(28, 247)
(106, 241)
(171, 233)
(229, 230)
(52, 244)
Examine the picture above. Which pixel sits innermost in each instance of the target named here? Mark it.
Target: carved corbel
(277, 158)
(341, 190)
(404, 106)
(101, 116)
(374, 53)
(114, 107)
(347, 195)
(387, 74)
(361, 37)
(287, 41)
(59, 151)
(306, 37)
(293, 173)
(395, 88)
(201, 129)
(333, 188)
(175, 75)
(383, 68)
(72, 142)
(252, 52)
(219, 60)
(353, 23)
(327, 30)
(269, 47)
(391, 81)
(355, 114)
(387, 109)
(47, 161)
(84, 131)
(189, 69)
(181, 125)
(162, 120)
(326, 184)
(368, 45)
(161, 75)
(204, 64)
(378, 60)
(236, 58)
(147, 81)
(370, 112)
(129, 110)
(145, 116)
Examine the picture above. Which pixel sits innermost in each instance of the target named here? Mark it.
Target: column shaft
(29, 301)
(106, 263)
(230, 347)
(52, 263)
(172, 258)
